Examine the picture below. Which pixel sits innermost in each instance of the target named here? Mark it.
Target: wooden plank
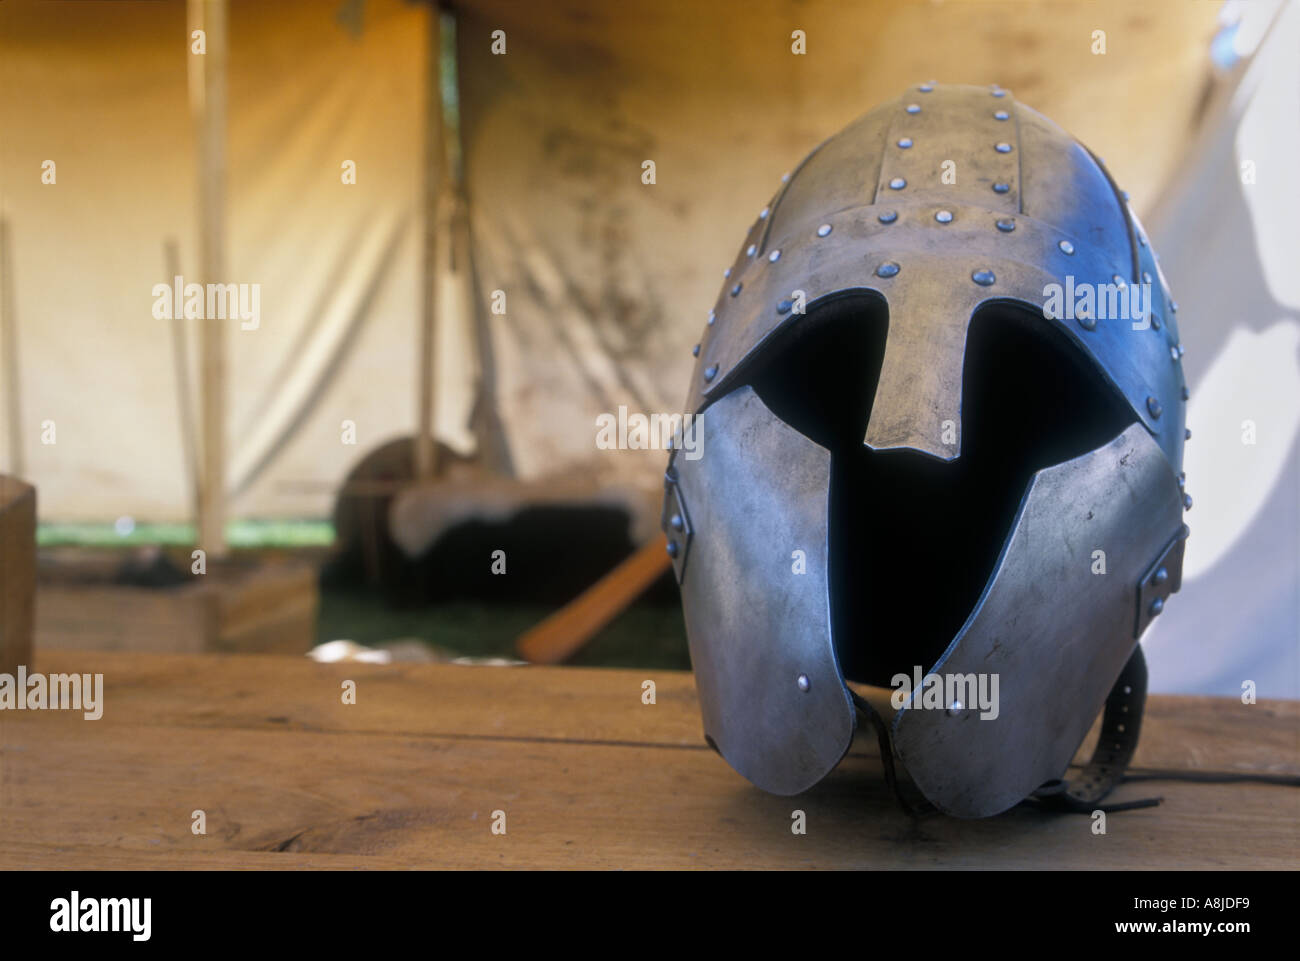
(25, 856)
(297, 694)
(430, 801)
(563, 634)
(592, 705)
(17, 572)
(587, 775)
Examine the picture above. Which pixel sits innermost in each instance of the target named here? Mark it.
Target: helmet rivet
(1157, 606)
(1002, 147)
(711, 372)
(672, 549)
(824, 230)
(998, 92)
(1182, 479)
(1173, 306)
(1155, 321)
(1187, 502)
(785, 177)
(887, 269)
(1153, 405)
(898, 183)
(913, 108)
(726, 274)
(888, 217)
(905, 142)
(676, 522)
(1185, 395)
(774, 256)
(695, 351)
(1187, 433)
(1118, 281)
(1124, 194)
(1146, 277)
(736, 289)
(954, 709)
(944, 216)
(803, 683)
(762, 214)
(713, 316)
(1066, 247)
(1173, 353)
(925, 87)
(1001, 115)
(783, 307)
(1162, 575)
(1001, 188)
(751, 250)
(1006, 225)
(1086, 320)
(984, 278)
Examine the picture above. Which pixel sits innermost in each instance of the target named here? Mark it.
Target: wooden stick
(564, 633)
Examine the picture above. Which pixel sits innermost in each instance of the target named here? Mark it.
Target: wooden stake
(565, 632)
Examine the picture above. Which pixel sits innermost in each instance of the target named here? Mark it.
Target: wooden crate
(17, 571)
(241, 606)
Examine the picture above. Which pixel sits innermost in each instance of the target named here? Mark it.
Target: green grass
(243, 534)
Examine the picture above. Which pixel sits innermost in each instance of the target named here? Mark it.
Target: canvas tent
(604, 279)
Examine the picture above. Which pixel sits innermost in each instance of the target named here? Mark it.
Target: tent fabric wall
(606, 280)
(338, 265)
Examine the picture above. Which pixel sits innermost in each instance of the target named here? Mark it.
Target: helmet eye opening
(914, 540)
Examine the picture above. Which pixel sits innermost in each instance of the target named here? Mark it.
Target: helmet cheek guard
(1054, 633)
(775, 705)
(942, 424)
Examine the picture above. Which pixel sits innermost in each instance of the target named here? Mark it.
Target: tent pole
(184, 392)
(209, 102)
(434, 163)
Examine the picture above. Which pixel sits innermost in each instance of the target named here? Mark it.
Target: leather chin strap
(1121, 723)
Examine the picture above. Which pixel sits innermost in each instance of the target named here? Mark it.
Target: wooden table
(588, 776)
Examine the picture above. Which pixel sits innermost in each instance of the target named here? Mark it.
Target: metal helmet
(940, 409)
